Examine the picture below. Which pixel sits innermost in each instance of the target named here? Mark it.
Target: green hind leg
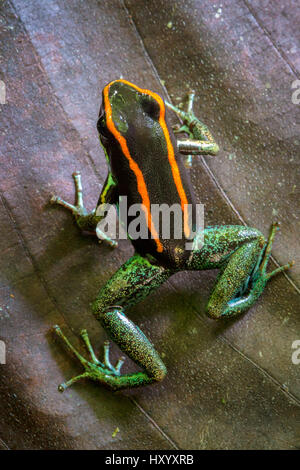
(136, 279)
(243, 278)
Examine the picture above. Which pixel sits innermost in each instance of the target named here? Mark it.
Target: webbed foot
(96, 370)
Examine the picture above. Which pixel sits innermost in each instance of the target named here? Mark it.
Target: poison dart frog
(145, 165)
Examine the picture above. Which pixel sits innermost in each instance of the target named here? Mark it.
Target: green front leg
(88, 221)
(201, 141)
(136, 279)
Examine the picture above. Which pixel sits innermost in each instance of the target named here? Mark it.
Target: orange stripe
(133, 165)
(142, 189)
(173, 163)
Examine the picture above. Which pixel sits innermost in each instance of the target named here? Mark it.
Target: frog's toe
(85, 337)
(58, 200)
(260, 273)
(63, 386)
(266, 254)
(106, 365)
(285, 267)
(181, 129)
(117, 369)
(108, 241)
(54, 199)
(119, 364)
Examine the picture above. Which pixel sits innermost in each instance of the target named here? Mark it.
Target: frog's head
(128, 113)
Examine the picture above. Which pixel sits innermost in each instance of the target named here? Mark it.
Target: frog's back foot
(244, 277)
(266, 253)
(94, 369)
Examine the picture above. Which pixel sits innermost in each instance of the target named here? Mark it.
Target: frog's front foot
(103, 372)
(200, 141)
(79, 209)
(86, 221)
(186, 116)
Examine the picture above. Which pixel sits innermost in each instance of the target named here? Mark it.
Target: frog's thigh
(220, 243)
(134, 281)
(129, 285)
(236, 250)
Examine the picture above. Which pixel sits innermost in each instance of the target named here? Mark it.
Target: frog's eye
(101, 125)
(150, 106)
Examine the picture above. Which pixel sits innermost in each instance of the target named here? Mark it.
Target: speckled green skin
(240, 253)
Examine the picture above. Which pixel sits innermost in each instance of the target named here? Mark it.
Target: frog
(145, 163)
